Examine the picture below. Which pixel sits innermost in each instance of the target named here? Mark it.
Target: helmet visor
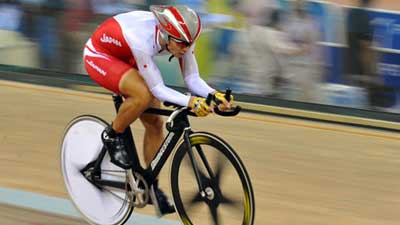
(181, 42)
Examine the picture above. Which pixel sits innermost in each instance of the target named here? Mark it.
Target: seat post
(117, 101)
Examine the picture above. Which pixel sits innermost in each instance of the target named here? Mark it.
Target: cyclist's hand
(199, 106)
(222, 103)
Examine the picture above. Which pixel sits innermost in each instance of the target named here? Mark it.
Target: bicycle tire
(205, 141)
(89, 200)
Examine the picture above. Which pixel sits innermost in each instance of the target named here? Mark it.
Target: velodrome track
(303, 173)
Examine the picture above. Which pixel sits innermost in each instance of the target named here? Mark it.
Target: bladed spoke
(214, 214)
(233, 203)
(221, 164)
(192, 201)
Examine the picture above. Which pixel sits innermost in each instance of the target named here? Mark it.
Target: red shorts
(104, 69)
(107, 56)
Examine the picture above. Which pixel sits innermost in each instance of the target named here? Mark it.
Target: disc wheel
(81, 145)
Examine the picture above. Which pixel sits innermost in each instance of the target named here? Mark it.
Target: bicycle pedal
(154, 202)
(166, 207)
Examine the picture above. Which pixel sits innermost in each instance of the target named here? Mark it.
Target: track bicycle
(201, 165)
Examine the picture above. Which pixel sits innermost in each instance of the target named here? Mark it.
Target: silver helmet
(179, 22)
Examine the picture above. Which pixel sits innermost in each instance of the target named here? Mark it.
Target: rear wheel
(228, 196)
(81, 145)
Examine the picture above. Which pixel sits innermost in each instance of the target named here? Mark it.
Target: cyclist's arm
(191, 74)
(151, 74)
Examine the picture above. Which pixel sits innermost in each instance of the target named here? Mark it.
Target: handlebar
(232, 112)
(169, 124)
(228, 93)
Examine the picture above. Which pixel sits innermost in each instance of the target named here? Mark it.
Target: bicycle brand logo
(108, 39)
(162, 150)
(97, 68)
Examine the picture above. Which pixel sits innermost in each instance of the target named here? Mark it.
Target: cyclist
(119, 56)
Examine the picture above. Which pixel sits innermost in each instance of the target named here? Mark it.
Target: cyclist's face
(178, 48)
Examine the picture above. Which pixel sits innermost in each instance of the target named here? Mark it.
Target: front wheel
(227, 196)
(80, 146)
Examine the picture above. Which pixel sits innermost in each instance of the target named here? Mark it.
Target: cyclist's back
(121, 35)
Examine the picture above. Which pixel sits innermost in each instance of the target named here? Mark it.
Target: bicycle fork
(194, 163)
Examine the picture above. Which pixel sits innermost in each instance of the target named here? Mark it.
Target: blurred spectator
(359, 56)
(258, 56)
(277, 53)
(256, 11)
(77, 15)
(41, 20)
(14, 49)
(305, 68)
(30, 10)
(49, 33)
(360, 59)
(110, 7)
(10, 14)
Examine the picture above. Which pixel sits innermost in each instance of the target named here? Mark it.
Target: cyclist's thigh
(105, 69)
(132, 84)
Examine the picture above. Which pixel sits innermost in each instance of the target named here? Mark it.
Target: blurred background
(338, 52)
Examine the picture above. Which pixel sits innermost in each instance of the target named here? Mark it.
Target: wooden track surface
(302, 172)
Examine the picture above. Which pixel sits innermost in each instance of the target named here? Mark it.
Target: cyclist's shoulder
(136, 18)
(138, 23)
(138, 28)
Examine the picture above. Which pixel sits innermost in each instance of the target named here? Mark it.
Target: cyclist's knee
(139, 99)
(144, 96)
(143, 100)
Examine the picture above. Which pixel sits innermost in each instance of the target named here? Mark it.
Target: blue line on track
(64, 207)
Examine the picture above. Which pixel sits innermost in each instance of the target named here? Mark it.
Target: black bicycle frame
(181, 126)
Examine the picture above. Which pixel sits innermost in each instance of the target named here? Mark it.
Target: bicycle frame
(182, 126)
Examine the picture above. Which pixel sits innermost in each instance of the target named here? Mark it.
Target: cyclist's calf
(153, 135)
